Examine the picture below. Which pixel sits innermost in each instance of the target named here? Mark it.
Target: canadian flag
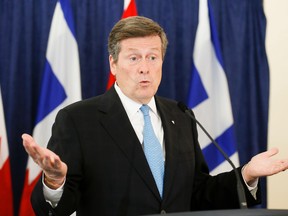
(130, 9)
(6, 195)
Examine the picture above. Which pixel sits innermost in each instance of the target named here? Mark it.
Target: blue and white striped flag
(61, 86)
(209, 94)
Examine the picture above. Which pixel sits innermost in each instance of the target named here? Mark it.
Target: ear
(112, 65)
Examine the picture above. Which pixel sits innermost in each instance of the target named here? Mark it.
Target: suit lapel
(117, 124)
(169, 123)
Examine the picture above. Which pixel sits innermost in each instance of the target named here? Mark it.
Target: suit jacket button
(163, 212)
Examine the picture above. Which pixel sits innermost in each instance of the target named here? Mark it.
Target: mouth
(144, 82)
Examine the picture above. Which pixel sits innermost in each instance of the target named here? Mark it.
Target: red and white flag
(6, 193)
(130, 9)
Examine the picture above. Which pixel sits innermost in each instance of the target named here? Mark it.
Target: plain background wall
(277, 50)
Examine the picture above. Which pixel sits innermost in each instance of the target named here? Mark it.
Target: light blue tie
(153, 150)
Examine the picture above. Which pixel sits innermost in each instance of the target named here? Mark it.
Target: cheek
(124, 76)
(158, 74)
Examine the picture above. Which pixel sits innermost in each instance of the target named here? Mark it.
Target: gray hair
(133, 27)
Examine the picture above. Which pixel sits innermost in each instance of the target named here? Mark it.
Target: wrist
(250, 180)
(53, 183)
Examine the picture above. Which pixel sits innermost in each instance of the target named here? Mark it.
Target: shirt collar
(131, 106)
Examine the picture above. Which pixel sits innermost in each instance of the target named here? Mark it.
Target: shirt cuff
(253, 187)
(52, 196)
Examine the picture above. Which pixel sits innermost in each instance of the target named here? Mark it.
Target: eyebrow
(134, 49)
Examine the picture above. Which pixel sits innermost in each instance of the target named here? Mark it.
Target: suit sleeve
(215, 192)
(65, 143)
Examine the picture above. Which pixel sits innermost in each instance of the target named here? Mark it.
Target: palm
(51, 164)
(264, 164)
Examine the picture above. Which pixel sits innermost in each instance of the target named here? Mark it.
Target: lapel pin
(173, 122)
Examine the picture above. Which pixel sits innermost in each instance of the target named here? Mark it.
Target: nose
(144, 67)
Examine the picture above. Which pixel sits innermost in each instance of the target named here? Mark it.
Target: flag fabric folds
(209, 94)
(6, 193)
(61, 85)
(130, 9)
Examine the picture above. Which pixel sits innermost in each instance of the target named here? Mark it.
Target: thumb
(271, 152)
(27, 138)
(267, 154)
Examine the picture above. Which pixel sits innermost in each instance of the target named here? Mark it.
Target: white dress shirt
(136, 117)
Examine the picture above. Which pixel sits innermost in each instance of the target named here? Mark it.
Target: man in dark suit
(95, 163)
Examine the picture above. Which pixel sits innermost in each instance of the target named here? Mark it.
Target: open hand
(264, 164)
(54, 169)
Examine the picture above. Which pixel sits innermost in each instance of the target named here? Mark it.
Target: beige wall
(277, 50)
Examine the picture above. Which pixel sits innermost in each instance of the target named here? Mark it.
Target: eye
(133, 58)
(152, 58)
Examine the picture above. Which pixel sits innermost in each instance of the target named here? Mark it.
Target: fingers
(274, 165)
(26, 137)
(45, 158)
(55, 169)
(271, 152)
(52, 161)
(35, 151)
(28, 141)
(30, 146)
(282, 165)
(277, 165)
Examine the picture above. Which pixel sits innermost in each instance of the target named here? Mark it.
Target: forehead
(141, 43)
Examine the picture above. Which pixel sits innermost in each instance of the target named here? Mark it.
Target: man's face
(138, 70)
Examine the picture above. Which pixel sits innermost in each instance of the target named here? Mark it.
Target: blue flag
(209, 94)
(61, 86)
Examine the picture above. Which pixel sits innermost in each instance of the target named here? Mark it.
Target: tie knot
(144, 109)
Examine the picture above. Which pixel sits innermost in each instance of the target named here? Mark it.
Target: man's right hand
(54, 169)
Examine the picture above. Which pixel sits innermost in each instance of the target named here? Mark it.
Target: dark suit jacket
(107, 170)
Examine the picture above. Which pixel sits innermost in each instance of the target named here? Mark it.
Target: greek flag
(209, 94)
(61, 86)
